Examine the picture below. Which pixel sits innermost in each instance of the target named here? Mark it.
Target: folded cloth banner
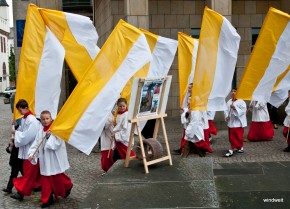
(270, 58)
(40, 66)
(82, 118)
(78, 36)
(215, 65)
(281, 88)
(187, 52)
(163, 51)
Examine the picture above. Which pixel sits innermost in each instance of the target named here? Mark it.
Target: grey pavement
(85, 171)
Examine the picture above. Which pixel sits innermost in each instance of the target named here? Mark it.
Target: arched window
(4, 71)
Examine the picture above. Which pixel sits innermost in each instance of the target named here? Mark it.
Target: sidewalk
(85, 170)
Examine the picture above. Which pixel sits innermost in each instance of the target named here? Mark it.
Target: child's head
(45, 118)
(122, 104)
(233, 92)
(22, 106)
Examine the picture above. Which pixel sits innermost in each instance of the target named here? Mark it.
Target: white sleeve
(23, 138)
(53, 142)
(240, 108)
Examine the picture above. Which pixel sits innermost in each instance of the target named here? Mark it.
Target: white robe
(194, 131)
(184, 120)
(107, 141)
(210, 115)
(25, 135)
(237, 115)
(52, 154)
(122, 129)
(259, 112)
(287, 118)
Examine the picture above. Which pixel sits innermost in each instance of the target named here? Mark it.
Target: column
(136, 12)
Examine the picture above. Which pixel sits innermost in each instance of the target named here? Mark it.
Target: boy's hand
(30, 158)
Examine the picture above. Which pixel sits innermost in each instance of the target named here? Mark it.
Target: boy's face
(122, 106)
(233, 92)
(22, 111)
(45, 119)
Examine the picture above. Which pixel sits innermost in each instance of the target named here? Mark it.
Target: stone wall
(167, 18)
(107, 15)
(245, 16)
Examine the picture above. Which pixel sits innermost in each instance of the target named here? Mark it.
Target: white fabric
(204, 119)
(237, 115)
(278, 63)
(281, 92)
(259, 112)
(25, 135)
(122, 129)
(51, 153)
(86, 132)
(162, 57)
(107, 142)
(184, 119)
(195, 130)
(47, 89)
(84, 32)
(228, 47)
(287, 118)
(210, 115)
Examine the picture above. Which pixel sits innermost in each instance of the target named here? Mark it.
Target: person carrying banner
(194, 134)
(24, 136)
(107, 144)
(261, 127)
(286, 130)
(236, 120)
(121, 131)
(53, 162)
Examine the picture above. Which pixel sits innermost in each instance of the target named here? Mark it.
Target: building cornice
(4, 33)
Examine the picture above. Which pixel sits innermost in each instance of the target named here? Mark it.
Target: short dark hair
(45, 112)
(22, 103)
(235, 89)
(122, 100)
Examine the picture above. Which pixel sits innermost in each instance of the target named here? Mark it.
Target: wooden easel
(136, 123)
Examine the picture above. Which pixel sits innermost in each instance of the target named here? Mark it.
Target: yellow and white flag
(187, 52)
(40, 66)
(163, 51)
(78, 36)
(270, 58)
(215, 65)
(83, 116)
(281, 88)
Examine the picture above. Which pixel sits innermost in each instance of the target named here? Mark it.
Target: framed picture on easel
(150, 97)
(148, 102)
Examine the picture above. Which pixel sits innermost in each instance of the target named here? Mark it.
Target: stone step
(189, 183)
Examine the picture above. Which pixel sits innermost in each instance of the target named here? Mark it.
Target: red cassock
(58, 184)
(106, 161)
(212, 128)
(122, 150)
(260, 131)
(31, 178)
(236, 137)
(285, 133)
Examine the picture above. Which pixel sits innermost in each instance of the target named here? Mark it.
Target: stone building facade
(168, 17)
(4, 51)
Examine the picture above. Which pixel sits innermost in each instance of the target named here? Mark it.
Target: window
(1, 44)
(195, 32)
(4, 71)
(255, 34)
(4, 45)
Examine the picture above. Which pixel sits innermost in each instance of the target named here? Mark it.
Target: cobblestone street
(86, 169)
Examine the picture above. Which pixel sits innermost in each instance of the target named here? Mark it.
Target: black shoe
(287, 149)
(67, 193)
(48, 203)
(17, 196)
(176, 151)
(7, 191)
